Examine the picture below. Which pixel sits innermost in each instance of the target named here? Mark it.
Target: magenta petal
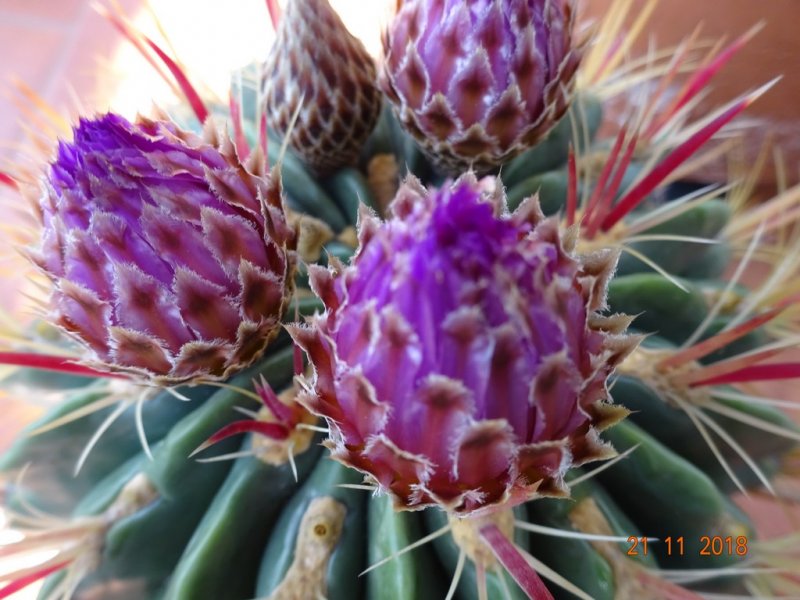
(139, 296)
(364, 416)
(204, 306)
(181, 243)
(445, 406)
(232, 239)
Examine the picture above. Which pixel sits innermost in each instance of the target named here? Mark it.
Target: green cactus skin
(51, 458)
(347, 560)
(302, 188)
(447, 551)
(235, 528)
(673, 428)
(574, 559)
(551, 187)
(350, 189)
(411, 575)
(185, 489)
(706, 220)
(552, 152)
(680, 499)
(662, 307)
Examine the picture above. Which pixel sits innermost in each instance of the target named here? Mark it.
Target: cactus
(444, 411)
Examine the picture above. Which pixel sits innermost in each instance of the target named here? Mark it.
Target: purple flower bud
(170, 259)
(461, 361)
(478, 82)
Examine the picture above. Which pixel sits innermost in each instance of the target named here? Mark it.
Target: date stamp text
(709, 545)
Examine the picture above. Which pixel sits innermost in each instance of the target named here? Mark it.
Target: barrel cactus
(518, 369)
(431, 366)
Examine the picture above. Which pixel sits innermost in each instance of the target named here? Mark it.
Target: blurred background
(64, 53)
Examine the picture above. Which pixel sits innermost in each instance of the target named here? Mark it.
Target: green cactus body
(415, 574)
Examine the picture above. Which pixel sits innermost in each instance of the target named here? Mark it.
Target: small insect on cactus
(170, 259)
(473, 344)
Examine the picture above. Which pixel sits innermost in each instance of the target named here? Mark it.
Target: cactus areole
(170, 259)
(478, 82)
(461, 361)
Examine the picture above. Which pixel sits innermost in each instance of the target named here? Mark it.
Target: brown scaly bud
(318, 67)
